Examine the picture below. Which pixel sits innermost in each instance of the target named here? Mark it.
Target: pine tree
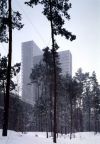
(8, 21)
(55, 11)
(96, 100)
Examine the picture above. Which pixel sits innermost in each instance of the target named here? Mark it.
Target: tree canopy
(59, 14)
(4, 20)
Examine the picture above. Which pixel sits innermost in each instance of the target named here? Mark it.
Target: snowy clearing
(40, 138)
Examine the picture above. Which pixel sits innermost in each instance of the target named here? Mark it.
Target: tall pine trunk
(6, 103)
(55, 87)
(71, 113)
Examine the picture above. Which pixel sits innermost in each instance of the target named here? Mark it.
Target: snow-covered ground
(40, 138)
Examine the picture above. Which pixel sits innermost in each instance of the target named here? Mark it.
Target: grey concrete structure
(29, 50)
(66, 62)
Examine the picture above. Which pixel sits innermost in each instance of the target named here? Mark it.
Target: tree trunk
(71, 112)
(89, 115)
(6, 104)
(55, 88)
(51, 117)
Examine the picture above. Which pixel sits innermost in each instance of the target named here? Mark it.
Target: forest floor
(40, 138)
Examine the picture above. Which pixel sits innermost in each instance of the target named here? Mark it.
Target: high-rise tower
(29, 50)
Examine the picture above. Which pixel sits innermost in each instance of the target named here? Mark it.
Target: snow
(40, 138)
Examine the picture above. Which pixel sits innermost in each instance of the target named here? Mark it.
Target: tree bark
(54, 64)
(6, 103)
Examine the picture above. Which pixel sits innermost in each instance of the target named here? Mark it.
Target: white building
(31, 55)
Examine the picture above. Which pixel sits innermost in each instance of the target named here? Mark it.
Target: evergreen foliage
(4, 20)
(3, 74)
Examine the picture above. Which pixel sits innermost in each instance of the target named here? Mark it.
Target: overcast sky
(84, 23)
